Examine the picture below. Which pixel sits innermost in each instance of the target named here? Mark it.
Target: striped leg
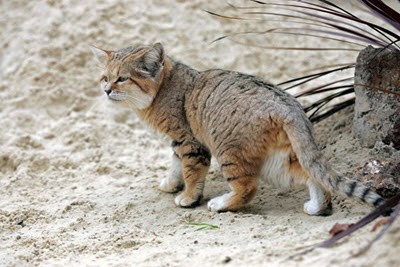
(195, 163)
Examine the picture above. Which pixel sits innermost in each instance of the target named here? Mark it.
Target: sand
(78, 177)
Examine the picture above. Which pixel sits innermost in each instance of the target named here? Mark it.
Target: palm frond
(307, 78)
(332, 110)
(327, 20)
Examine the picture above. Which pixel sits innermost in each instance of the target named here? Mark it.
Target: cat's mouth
(116, 96)
(114, 99)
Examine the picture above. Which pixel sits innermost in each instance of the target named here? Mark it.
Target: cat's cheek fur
(137, 99)
(143, 101)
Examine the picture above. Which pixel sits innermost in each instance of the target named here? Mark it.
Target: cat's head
(132, 75)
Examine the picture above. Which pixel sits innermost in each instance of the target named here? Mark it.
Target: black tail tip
(386, 212)
(378, 202)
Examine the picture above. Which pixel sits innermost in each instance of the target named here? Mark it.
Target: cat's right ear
(101, 55)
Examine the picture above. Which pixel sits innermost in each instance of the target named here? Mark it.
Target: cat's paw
(170, 185)
(313, 209)
(187, 202)
(219, 203)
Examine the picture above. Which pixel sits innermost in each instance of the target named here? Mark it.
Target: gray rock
(377, 111)
(381, 176)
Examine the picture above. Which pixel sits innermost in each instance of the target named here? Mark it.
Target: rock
(377, 89)
(383, 177)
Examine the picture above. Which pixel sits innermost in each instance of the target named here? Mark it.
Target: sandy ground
(78, 178)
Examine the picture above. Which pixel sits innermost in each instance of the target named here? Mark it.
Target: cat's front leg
(174, 182)
(195, 160)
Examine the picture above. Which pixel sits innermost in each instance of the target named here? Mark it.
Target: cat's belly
(275, 169)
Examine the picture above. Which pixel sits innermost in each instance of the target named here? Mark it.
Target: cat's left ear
(101, 55)
(153, 59)
(155, 54)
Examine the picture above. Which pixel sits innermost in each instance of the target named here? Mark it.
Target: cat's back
(228, 101)
(217, 91)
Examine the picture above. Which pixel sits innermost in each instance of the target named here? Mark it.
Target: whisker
(132, 97)
(128, 96)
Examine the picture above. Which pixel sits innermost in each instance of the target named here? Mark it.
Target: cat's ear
(101, 55)
(153, 59)
(156, 53)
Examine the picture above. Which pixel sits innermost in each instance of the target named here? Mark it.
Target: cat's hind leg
(174, 182)
(243, 183)
(320, 200)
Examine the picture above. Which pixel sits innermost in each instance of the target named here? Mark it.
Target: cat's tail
(318, 169)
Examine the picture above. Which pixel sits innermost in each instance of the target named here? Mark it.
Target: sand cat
(251, 127)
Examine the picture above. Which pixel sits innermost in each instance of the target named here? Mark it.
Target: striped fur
(251, 127)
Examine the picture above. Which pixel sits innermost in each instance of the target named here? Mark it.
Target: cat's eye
(122, 79)
(105, 78)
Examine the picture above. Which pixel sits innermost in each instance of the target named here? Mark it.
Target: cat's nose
(108, 91)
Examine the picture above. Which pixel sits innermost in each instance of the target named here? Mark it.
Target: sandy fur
(252, 127)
